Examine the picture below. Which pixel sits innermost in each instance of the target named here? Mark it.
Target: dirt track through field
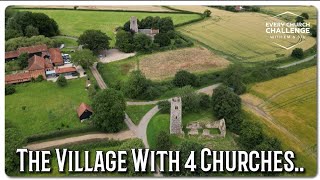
(83, 138)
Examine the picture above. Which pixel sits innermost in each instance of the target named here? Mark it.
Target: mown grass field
(161, 122)
(68, 42)
(240, 36)
(136, 113)
(47, 106)
(291, 101)
(75, 22)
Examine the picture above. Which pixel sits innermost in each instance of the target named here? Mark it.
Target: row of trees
(25, 23)
(14, 43)
(163, 24)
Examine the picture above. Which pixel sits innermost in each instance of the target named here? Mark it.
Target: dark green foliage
(10, 89)
(233, 78)
(95, 40)
(139, 87)
(184, 78)
(190, 99)
(269, 144)
(172, 34)
(225, 103)
(185, 148)
(27, 23)
(164, 106)
(84, 57)
(250, 135)
(23, 60)
(31, 31)
(297, 53)
(163, 24)
(124, 41)
(299, 19)
(313, 31)
(162, 39)
(163, 141)
(108, 107)
(234, 122)
(61, 81)
(15, 43)
(39, 78)
(205, 101)
(60, 133)
(305, 15)
(207, 13)
(142, 42)
(13, 141)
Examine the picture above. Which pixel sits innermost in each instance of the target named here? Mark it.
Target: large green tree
(233, 78)
(95, 40)
(84, 57)
(124, 41)
(162, 39)
(142, 42)
(184, 78)
(108, 107)
(250, 135)
(31, 31)
(225, 103)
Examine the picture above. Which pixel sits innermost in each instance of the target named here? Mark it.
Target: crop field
(43, 107)
(275, 10)
(75, 22)
(240, 36)
(291, 102)
(164, 65)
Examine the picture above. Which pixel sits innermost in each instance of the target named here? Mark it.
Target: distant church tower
(134, 24)
(176, 116)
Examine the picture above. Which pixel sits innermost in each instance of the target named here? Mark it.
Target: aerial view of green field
(74, 22)
(103, 79)
(239, 36)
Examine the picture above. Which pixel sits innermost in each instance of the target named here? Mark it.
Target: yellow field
(290, 102)
(241, 36)
(275, 10)
(164, 65)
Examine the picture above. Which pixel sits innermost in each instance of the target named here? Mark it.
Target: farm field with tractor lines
(240, 36)
(290, 102)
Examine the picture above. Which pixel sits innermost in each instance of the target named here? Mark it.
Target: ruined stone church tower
(176, 116)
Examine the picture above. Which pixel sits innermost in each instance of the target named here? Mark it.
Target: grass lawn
(240, 36)
(161, 122)
(68, 42)
(137, 112)
(75, 22)
(47, 106)
(291, 102)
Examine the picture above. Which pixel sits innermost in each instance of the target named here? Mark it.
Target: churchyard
(201, 51)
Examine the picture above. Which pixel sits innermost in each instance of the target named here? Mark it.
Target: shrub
(164, 106)
(163, 142)
(205, 101)
(39, 78)
(190, 99)
(61, 81)
(10, 89)
(297, 53)
(207, 13)
(13, 141)
(233, 79)
(162, 39)
(250, 135)
(137, 85)
(313, 31)
(305, 15)
(171, 34)
(184, 78)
